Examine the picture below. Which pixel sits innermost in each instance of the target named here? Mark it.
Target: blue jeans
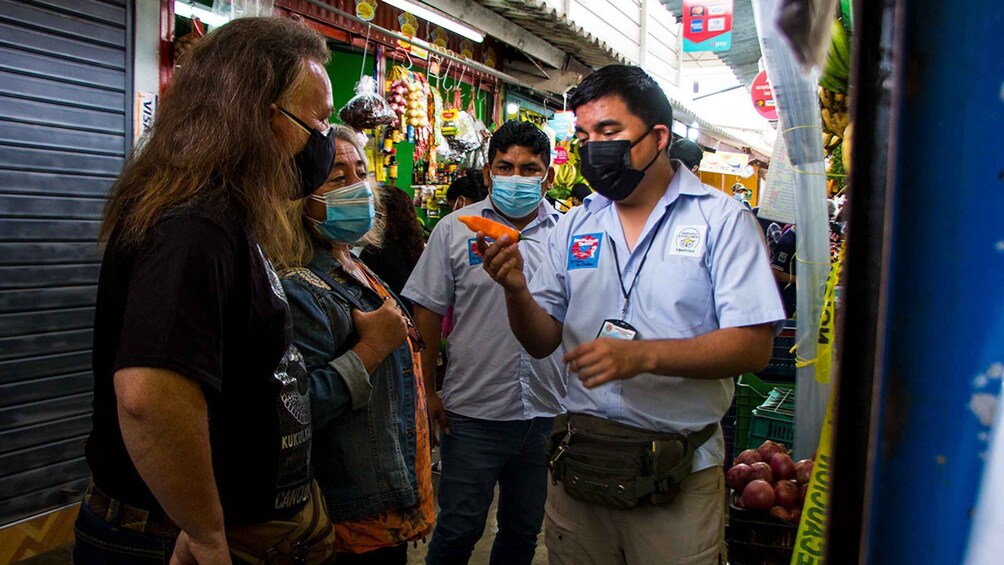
(99, 542)
(476, 455)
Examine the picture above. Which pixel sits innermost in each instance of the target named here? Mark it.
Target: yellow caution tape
(824, 343)
(824, 347)
(810, 543)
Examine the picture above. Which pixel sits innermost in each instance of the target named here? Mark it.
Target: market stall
(425, 98)
(782, 418)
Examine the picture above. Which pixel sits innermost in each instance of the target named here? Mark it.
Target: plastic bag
(233, 9)
(367, 109)
(466, 138)
(481, 130)
(437, 123)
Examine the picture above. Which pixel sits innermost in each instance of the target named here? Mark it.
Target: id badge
(617, 329)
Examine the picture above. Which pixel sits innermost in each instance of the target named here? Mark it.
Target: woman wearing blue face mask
(371, 430)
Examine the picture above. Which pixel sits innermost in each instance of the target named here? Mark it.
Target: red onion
(737, 477)
(761, 471)
(803, 471)
(749, 457)
(802, 493)
(782, 466)
(786, 494)
(780, 513)
(758, 495)
(768, 448)
(796, 515)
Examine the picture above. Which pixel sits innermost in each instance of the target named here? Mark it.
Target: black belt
(117, 513)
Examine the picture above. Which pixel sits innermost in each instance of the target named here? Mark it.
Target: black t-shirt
(783, 260)
(199, 298)
(836, 239)
(391, 263)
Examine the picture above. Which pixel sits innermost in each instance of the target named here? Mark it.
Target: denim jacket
(364, 425)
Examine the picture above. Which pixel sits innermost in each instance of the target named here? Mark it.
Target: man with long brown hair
(201, 413)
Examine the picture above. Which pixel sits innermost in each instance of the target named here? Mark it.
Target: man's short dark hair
(581, 191)
(524, 134)
(688, 152)
(470, 185)
(639, 91)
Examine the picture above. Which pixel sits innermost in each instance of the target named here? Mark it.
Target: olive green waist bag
(614, 465)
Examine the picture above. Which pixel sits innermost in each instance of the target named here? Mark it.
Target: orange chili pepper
(491, 228)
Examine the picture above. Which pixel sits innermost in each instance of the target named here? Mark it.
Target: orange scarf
(395, 526)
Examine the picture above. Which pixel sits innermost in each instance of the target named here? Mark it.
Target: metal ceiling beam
(502, 29)
(557, 81)
(459, 59)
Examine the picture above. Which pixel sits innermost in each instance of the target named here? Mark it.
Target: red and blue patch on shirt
(473, 254)
(584, 251)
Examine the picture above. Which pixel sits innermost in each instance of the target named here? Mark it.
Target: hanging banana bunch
(833, 108)
(833, 87)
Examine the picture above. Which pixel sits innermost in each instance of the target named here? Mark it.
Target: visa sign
(707, 25)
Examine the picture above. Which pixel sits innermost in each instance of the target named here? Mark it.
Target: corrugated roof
(545, 22)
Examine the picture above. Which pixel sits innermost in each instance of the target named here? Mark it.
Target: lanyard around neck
(626, 292)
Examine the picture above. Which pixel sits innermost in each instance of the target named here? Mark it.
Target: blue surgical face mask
(350, 213)
(515, 196)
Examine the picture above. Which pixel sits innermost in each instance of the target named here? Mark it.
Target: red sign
(560, 155)
(763, 97)
(585, 247)
(707, 25)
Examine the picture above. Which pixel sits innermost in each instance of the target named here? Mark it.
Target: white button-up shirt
(489, 375)
(707, 269)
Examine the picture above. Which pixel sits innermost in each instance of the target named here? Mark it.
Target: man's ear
(486, 176)
(548, 178)
(665, 137)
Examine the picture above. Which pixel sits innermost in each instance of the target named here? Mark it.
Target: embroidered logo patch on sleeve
(584, 252)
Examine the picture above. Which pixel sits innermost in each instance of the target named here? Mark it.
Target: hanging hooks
(478, 95)
(196, 22)
(366, 46)
(456, 85)
(446, 77)
(407, 56)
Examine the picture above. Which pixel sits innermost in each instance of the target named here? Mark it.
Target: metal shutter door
(64, 119)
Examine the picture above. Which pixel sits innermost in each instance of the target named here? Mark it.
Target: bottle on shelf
(441, 203)
(392, 167)
(418, 172)
(432, 176)
(388, 140)
(431, 206)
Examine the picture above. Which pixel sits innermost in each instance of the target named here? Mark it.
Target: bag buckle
(562, 448)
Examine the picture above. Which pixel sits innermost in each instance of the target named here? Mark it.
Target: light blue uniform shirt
(489, 375)
(707, 269)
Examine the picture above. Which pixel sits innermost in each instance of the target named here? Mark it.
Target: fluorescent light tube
(435, 18)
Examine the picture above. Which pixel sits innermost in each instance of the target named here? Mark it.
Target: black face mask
(607, 167)
(315, 159)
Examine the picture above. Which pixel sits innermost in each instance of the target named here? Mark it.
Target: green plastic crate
(769, 425)
(751, 392)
